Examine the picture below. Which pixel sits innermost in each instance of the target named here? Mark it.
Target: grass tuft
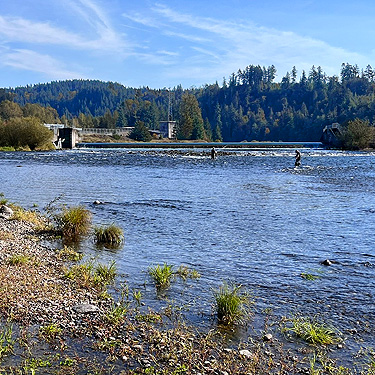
(50, 332)
(20, 214)
(309, 276)
(162, 275)
(105, 274)
(6, 341)
(116, 314)
(185, 272)
(18, 260)
(3, 200)
(68, 253)
(74, 222)
(231, 304)
(87, 276)
(312, 331)
(111, 235)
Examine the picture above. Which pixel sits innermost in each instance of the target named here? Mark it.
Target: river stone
(246, 353)
(6, 212)
(85, 308)
(267, 337)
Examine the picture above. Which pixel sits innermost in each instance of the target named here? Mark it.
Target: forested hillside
(249, 105)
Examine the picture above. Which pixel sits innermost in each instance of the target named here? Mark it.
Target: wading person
(213, 153)
(297, 163)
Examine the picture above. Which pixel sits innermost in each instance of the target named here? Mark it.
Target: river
(249, 217)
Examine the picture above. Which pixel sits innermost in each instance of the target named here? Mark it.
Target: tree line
(248, 105)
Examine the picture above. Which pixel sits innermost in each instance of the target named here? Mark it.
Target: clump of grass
(6, 341)
(87, 276)
(231, 304)
(185, 272)
(20, 214)
(18, 259)
(50, 332)
(137, 297)
(162, 275)
(2, 199)
(74, 221)
(312, 331)
(309, 276)
(111, 235)
(68, 253)
(116, 313)
(81, 274)
(105, 274)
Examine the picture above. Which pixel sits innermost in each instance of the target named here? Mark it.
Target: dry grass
(33, 217)
(74, 221)
(6, 236)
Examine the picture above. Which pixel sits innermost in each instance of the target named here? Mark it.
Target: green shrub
(74, 221)
(25, 133)
(111, 235)
(357, 135)
(162, 275)
(231, 305)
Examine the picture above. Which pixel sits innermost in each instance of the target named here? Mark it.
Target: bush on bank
(25, 133)
(358, 135)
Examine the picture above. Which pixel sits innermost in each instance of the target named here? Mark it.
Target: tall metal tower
(169, 105)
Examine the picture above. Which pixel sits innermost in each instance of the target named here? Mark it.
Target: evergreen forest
(248, 105)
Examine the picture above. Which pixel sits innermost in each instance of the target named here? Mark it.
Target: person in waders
(297, 163)
(213, 153)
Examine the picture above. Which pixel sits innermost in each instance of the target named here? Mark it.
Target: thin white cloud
(22, 30)
(191, 38)
(107, 37)
(143, 20)
(101, 36)
(239, 44)
(29, 60)
(168, 53)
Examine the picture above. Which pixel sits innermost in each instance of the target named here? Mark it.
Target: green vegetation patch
(231, 303)
(111, 235)
(162, 275)
(312, 331)
(74, 221)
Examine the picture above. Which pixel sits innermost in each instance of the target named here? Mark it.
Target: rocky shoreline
(52, 324)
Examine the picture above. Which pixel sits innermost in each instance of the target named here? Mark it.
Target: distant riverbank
(219, 145)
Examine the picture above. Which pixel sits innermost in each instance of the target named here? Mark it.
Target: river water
(249, 217)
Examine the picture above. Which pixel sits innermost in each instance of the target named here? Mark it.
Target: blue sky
(167, 43)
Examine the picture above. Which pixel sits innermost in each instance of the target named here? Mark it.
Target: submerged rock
(6, 212)
(326, 262)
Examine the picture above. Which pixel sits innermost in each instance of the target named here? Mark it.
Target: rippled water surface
(248, 216)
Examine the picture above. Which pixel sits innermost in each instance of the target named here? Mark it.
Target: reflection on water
(248, 216)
